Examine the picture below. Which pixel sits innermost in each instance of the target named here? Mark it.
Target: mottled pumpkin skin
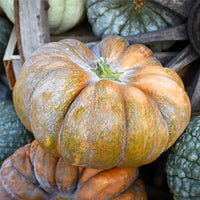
(97, 122)
(130, 17)
(32, 174)
(183, 163)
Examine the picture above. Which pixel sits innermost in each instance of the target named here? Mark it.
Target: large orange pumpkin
(113, 105)
(32, 174)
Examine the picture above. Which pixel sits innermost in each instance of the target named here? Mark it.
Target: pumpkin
(183, 164)
(13, 134)
(130, 17)
(31, 173)
(62, 15)
(5, 30)
(112, 106)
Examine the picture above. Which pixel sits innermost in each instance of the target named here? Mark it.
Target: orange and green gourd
(32, 174)
(113, 105)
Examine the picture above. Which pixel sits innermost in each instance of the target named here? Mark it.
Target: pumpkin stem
(138, 4)
(104, 72)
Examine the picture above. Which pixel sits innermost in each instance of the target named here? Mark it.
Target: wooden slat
(82, 32)
(167, 34)
(9, 58)
(195, 94)
(32, 22)
(185, 57)
(17, 64)
(181, 7)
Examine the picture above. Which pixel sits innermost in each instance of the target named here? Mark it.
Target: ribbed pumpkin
(5, 30)
(13, 134)
(183, 164)
(32, 174)
(62, 15)
(112, 106)
(130, 17)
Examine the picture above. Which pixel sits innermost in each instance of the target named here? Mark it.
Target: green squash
(62, 15)
(129, 17)
(13, 134)
(183, 164)
(5, 30)
(5, 92)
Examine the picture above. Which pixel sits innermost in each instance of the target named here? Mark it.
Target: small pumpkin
(183, 163)
(13, 134)
(114, 105)
(130, 17)
(30, 173)
(5, 30)
(62, 15)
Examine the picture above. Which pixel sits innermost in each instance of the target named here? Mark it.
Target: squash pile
(32, 174)
(97, 114)
(183, 164)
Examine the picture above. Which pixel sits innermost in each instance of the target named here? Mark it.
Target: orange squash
(32, 174)
(113, 105)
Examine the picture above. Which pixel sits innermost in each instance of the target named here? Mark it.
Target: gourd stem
(102, 68)
(104, 72)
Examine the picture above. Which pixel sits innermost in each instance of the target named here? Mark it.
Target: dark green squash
(5, 92)
(130, 17)
(183, 164)
(13, 134)
(5, 30)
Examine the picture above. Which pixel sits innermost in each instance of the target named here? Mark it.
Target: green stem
(104, 72)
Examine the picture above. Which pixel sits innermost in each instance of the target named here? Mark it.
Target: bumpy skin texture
(13, 134)
(5, 92)
(96, 122)
(124, 17)
(183, 164)
(32, 174)
(62, 15)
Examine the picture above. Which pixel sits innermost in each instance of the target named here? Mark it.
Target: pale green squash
(63, 14)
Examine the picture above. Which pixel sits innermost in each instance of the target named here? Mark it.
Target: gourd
(183, 163)
(5, 92)
(62, 15)
(13, 134)
(130, 17)
(30, 173)
(113, 105)
(5, 30)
